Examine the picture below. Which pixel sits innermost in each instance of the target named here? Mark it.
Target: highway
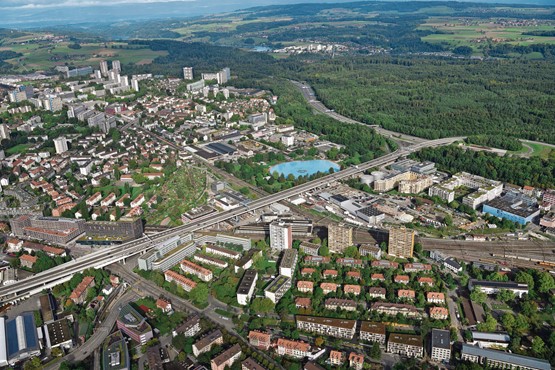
(108, 255)
(310, 96)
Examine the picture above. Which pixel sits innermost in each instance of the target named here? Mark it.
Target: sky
(40, 13)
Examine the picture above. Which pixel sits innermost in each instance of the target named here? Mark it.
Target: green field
(41, 55)
(477, 33)
(21, 148)
(538, 150)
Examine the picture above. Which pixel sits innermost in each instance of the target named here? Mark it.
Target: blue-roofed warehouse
(20, 338)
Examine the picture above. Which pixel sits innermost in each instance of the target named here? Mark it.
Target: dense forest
(494, 101)
(435, 98)
(519, 171)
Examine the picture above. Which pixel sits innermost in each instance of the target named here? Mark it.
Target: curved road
(310, 96)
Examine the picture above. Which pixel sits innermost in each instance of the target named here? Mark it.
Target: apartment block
(226, 358)
(247, 286)
(260, 340)
(281, 236)
(194, 269)
(401, 242)
(440, 345)
(288, 263)
(372, 331)
(338, 328)
(340, 237)
(184, 282)
(277, 288)
(405, 345)
(205, 343)
(292, 348)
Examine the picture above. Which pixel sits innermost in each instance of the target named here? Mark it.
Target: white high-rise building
(97, 74)
(104, 67)
(60, 144)
(4, 131)
(187, 73)
(281, 236)
(124, 81)
(135, 84)
(116, 65)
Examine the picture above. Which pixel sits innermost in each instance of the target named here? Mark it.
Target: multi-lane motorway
(106, 256)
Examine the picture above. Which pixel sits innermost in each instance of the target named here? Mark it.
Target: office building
(60, 144)
(405, 345)
(188, 73)
(281, 236)
(440, 345)
(277, 288)
(485, 189)
(247, 286)
(338, 328)
(514, 207)
(502, 360)
(134, 325)
(115, 353)
(58, 334)
(340, 237)
(205, 343)
(401, 242)
(372, 332)
(288, 263)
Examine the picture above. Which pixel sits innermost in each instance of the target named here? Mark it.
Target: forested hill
(435, 98)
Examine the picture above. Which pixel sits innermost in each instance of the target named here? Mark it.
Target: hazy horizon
(26, 14)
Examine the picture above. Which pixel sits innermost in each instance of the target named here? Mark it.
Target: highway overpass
(106, 256)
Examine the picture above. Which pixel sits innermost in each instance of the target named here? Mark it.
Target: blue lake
(304, 168)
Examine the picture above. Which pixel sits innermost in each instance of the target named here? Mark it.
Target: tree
(521, 324)
(478, 296)
(505, 295)
(262, 305)
(526, 278)
(319, 341)
(465, 51)
(508, 321)
(538, 346)
(375, 351)
(199, 294)
(545, 282)
(32, 364)
(489, 325)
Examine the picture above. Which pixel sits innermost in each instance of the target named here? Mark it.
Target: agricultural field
(478, 33)
(43, 55)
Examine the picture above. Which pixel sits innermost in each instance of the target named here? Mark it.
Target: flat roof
(491, 354)
(249, 278)
(441, 338)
